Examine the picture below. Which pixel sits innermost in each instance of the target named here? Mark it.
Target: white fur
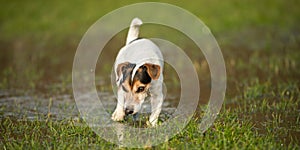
(139, 52)
(133, 32)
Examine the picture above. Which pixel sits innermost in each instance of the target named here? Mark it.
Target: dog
(139, 73)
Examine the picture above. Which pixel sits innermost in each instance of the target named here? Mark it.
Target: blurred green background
(38, 39)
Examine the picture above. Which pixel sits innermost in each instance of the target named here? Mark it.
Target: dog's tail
(133, 32)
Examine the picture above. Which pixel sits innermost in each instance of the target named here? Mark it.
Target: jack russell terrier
(139, 73)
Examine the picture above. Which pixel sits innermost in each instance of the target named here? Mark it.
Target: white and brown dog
(139, 73)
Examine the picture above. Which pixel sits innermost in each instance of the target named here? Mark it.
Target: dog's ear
(123, 68)
(153, 70)
(120, 69)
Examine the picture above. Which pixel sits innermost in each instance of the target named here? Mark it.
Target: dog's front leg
(156, 104)
(119, 113)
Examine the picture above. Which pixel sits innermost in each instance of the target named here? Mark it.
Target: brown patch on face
(135, 91)
(142, 77)
(139, 87)
(139, 90)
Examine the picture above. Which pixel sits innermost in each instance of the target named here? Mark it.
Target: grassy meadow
(260, 42)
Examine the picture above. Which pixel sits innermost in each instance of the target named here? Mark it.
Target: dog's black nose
(128, 111)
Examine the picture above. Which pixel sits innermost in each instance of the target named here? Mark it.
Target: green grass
(249, 125)
(259, 41)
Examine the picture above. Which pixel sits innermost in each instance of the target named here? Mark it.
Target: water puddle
(38, 106)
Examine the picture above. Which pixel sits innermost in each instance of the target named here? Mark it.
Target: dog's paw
(153, 120)
(151, 124)
(118, 116)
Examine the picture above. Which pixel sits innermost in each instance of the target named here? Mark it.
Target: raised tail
(133, 32)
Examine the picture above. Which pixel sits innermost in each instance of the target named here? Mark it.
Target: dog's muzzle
(129, 110)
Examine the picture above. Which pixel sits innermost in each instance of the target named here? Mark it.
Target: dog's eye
(140, 89)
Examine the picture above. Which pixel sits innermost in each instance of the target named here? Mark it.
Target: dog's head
(134, 90)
